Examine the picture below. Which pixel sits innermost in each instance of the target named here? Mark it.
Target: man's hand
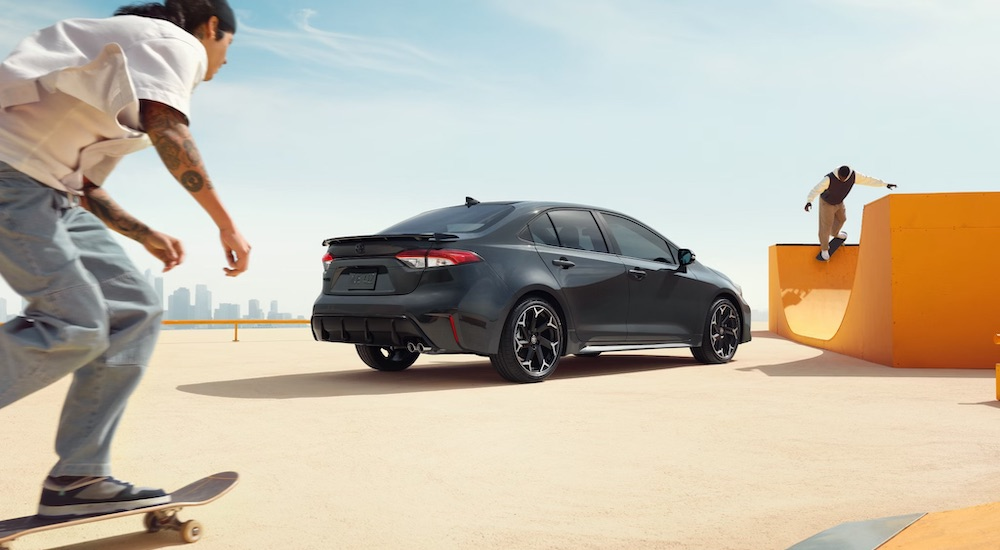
(166, 248)
(237, 252)
(809, 206)
(891, 186)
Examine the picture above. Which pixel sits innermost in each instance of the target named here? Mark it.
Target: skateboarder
(74, 98)
(832, 190)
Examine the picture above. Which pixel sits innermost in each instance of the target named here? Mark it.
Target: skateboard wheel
(190, 531)
(151, 523)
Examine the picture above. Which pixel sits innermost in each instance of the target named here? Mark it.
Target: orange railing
(237, 322)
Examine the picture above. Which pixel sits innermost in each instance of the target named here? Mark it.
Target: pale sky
(708, 120)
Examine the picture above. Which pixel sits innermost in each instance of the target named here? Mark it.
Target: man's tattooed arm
(169, 132)
(100, 203)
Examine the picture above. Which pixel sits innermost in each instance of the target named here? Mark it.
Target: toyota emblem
(360, 248)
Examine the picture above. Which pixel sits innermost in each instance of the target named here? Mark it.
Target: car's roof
(542, 205)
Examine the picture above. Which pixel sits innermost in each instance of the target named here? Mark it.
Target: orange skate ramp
(919, 291)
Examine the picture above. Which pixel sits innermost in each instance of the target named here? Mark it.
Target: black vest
(838, 190)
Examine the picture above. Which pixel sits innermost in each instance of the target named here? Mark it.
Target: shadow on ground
(765, 334)
(422, 377)
(435, 375)
(834, 364)
(132, 541)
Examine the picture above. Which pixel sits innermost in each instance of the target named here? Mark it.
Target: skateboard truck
(160, 520)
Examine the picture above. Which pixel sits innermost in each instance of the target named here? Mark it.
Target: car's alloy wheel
(722, 334)
(531, 343)
(386, 358)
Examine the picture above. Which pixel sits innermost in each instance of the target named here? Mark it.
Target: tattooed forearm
(170, 153)
(99, 203)
(168, 130)
(192, 181)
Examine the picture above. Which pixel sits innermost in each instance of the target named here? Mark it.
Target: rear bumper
(447, 318)
(389, 331)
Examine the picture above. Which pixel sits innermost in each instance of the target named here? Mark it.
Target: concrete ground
(628, 450)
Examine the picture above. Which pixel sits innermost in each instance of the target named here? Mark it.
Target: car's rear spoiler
(397, 237)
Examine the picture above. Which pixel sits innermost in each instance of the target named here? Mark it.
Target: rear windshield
(454, 219)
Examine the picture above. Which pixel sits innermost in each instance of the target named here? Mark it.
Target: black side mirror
(685, 256)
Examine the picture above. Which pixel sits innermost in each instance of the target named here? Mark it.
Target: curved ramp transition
(921, 290)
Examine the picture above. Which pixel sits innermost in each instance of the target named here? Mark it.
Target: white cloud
(22, 18)
(883, 48)
(616, 28)
(308, 45)
(939, 11)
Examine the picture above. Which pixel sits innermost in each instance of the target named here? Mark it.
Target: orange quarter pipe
(921, 290)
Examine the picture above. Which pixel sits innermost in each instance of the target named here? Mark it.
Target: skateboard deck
(834, 245)
(156, 518)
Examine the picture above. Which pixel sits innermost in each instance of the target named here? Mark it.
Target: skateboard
(156, 518)
(834, 245)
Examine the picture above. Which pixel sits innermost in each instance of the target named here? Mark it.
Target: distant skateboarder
(832, 191)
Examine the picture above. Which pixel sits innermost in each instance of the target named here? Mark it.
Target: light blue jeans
(90, 313)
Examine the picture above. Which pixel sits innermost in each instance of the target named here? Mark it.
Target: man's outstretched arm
(862, 179)
(166, 248)
(169, 132)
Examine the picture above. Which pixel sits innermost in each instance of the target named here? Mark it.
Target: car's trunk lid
(367, 265)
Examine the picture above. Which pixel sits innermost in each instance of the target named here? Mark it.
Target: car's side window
(578, 229)
(542, 231)
(636, 241)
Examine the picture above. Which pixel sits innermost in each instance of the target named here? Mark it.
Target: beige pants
(831, 221)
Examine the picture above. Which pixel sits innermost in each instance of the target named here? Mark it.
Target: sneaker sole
(93, 508)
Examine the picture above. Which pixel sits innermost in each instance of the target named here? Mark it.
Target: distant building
(179, 305)
(227, 311)
(202, 302)
(275, 315)
(255, 310)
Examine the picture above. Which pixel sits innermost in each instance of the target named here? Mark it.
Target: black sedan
(523, 283)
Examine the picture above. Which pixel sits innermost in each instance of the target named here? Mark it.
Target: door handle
(639, 274)
(563, 263)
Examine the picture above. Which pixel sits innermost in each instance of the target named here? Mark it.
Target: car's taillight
(327, 260)
(422, 259)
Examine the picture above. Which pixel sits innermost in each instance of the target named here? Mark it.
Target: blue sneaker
(84, 496)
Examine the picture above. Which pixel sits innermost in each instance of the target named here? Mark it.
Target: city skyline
(183, 305)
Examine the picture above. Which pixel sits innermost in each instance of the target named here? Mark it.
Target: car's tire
(531, 342)
(721, 336)
(386, 358)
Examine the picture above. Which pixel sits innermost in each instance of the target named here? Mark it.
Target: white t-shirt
(69, 94)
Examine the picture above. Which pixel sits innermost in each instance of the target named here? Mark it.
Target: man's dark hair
(186, 14)
(844, 172)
